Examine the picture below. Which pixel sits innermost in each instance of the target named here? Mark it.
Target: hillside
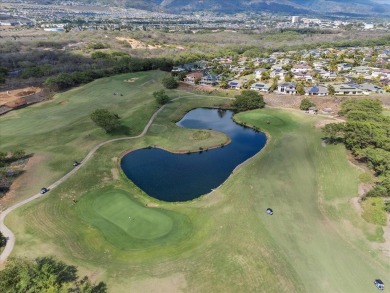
(324, 7)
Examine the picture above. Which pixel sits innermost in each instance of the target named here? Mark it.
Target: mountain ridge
(299, 7)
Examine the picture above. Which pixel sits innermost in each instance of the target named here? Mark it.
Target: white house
(300, 68)
(278, 72)
(259, 71)
(344, 67)
(261, 87)
(234, 84)
(346, 89)
(287, 88)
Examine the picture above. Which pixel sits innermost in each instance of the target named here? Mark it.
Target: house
(287, 88)
(259, 71)
(209, 79)
(362, 70)
(303, 76)
(234, 84)
(278, 72)
(317, 90)
(382, 73)
(300, 68)
(329, 75)
(178, 69)
(344, 67)
(347, 89)
(369, 88)
(320, 64)
(261, 87)
(193, 77)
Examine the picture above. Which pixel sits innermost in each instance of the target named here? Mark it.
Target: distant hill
(324, 7)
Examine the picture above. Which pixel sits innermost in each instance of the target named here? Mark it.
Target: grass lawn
(374, 211)
(222, 242)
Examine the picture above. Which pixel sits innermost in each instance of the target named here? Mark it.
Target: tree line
(45, 274)
(366, 133)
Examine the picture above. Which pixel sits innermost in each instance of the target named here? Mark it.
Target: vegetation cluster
(248, 100)
(367, 135)
(10, 169)
(44, 274)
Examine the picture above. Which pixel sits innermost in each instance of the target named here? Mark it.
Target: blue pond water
(181, 177)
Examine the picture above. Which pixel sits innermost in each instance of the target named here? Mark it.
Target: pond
(181, 177)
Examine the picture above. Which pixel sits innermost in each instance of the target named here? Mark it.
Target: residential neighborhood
(356, 71)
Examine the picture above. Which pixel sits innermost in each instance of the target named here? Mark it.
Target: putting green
(126, 223)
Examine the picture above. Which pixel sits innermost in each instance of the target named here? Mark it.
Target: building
(261, 87)
(287, 88)
(347, 89)
(295, 19)
(234, 84)
(317, 90)
(209, 79)
(193, 77)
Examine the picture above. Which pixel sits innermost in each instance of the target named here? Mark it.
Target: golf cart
(270, 211)
(379, 284)
(75, 164)
(44, 190)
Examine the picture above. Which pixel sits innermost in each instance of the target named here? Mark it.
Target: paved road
(8, 233)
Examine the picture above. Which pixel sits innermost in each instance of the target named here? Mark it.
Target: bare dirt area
(24, 179)
(131, 80)
(135, 44)
(13, 96)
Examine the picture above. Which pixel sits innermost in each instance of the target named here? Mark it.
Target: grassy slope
(224, 242)
(60, 130)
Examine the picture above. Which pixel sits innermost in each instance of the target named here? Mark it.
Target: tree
(331, 90)
(306, 103)
(170, 82)
(300, 89)
(265, 75)
(3, 74)
(161, 97)
(3, 240)
(288, 77)
(333, 131)
(248, 100)
(106, 120)
(44, 275)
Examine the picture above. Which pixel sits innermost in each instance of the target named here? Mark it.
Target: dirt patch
(14, 96)
(115, 174)
(355, 201)
(22, 180)
(63, 102)
(135, 44)
(172, 284)
(130, 80)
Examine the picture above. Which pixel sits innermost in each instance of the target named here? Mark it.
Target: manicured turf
(126, 223)
(223, 242)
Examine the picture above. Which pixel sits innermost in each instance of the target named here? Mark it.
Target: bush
(170, 82)
(306, 104)
(161, 97)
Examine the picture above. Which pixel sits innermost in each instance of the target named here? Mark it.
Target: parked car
(379, 284)
(270, 211)
(44, 190)
(75, 164)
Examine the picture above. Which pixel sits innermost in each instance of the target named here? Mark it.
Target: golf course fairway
(224, 241)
